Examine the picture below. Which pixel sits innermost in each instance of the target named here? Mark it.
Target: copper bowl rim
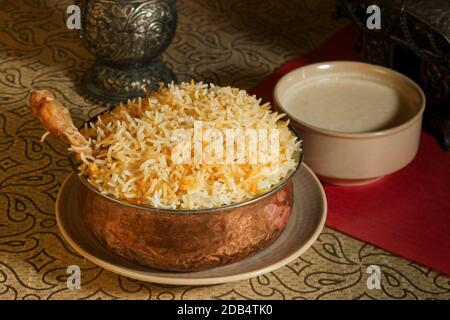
(228, 207)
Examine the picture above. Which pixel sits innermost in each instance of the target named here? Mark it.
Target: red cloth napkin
(406, 213)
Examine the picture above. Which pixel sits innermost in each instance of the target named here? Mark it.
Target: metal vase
(127, 38)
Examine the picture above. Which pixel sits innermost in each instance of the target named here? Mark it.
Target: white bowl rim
(351, 135)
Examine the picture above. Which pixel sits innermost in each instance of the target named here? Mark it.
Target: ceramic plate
(305, 224)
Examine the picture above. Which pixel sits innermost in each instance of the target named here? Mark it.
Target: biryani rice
(131, 148)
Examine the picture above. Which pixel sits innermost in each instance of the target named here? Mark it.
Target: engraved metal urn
(127, 38)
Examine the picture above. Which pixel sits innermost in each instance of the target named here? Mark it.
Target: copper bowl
(186, 240)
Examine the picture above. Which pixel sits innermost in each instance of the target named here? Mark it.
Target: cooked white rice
(131, 145)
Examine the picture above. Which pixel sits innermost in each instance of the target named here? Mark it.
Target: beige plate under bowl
(305, 224)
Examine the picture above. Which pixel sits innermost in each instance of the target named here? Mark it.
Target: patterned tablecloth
(229, 42)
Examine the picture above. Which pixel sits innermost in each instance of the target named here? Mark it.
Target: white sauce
(346, 104)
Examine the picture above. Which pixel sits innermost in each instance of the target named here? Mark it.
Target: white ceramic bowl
(359, 122)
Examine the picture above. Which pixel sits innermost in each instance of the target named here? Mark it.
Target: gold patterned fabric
(222, 41)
